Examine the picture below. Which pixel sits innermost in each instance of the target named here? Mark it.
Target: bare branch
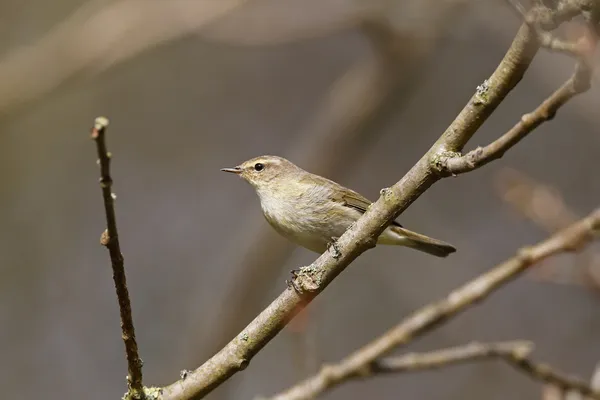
(454, 355)
(545, 373)
(541, 20)
(514, 353)
(362, 236)
(344, 125)
(506, 76)
(578, 83)
(430, 316)
(342, 128)
(110, 239)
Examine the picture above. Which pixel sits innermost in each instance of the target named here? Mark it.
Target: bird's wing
(351, 199)
(354, 200)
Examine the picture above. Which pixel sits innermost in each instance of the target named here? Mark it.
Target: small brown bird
(312, 211)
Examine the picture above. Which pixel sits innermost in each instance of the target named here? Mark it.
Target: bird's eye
(259, 166)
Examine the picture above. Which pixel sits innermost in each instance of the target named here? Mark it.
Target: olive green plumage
(311, 210)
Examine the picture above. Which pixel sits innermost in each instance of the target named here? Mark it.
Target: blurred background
(356, 91)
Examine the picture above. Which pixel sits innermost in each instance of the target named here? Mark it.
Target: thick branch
(430, 316)
(362, 236)
(110, 239)
(578, 83)
(454, 355)
(490, 94)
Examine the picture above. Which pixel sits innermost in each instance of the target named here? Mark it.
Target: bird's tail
(423, 243)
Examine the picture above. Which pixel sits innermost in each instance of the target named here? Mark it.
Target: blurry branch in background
(431, 316)
(567, 384)
(236, 355)
(110, 239)
(545, 206)
(554, 391)
(541, 203)
(276, 22)
(344, 126)
(514, 353)
(100, 35)
(475, 351)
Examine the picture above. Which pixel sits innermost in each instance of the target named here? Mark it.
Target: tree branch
(110, 239)
(430, 316)
(545, 373)
(541, 20)
(344, 126)
(362, 236)
(515, 353)
(578, 83)
(474, 351)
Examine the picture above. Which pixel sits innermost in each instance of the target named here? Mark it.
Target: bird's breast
(309, 221)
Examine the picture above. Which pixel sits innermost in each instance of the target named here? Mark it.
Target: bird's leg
(333, 247)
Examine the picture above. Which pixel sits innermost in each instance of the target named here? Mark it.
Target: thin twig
(430, 316)
(551, 18)
(110, 239)
(471, 352)
(361, 236)
(578, 83)
(514, 353)
(545, 373)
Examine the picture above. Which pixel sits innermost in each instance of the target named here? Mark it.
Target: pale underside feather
(318, 211)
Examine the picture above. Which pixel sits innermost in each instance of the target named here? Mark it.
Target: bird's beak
(236, 170)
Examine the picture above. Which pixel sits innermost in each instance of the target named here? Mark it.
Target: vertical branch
(110, 239)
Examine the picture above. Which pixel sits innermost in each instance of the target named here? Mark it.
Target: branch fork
(443, 159)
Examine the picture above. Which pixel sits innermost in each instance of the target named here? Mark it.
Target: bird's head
(266, 172)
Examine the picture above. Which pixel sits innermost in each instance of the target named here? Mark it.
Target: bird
(313, 211)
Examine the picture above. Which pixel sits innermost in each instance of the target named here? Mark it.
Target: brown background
(183, 109)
